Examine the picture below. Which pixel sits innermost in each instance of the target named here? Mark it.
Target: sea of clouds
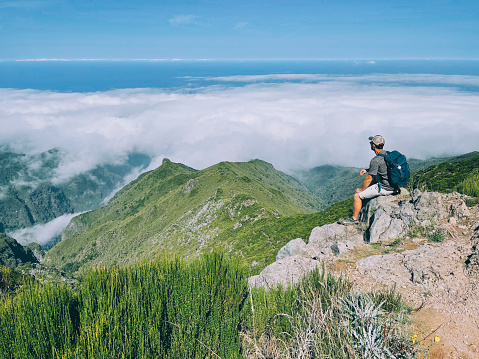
(292, 121)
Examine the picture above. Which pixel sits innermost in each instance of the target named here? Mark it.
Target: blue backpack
(398, 168)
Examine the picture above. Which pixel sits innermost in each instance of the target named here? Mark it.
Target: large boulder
(335, 238)
(427, 266)
(285, 272)
(390, 217)
(293, 248)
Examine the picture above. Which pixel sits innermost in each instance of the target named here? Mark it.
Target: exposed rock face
(190, 185)
(439, 280)
(388, 218)
(383, 219)
(335, 238)
(427, 265)
(286, 271)
(293, 248)
(297, 258)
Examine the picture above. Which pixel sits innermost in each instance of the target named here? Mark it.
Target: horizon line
(371, 60)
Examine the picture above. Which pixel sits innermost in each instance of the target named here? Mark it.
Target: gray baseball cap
(377, 140)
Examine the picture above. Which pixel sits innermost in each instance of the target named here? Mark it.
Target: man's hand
(363, 171)
(358, 190)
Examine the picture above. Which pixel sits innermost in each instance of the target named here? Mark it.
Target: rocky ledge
(424, 244)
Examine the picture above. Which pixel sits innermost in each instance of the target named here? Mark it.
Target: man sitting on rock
(376, 182)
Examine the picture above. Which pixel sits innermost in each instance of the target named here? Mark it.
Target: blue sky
(246, 29)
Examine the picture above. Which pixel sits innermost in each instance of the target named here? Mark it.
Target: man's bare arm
(367, 181)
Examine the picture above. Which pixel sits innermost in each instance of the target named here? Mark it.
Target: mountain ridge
(176, 208)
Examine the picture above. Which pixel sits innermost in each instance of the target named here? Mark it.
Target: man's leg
(357, 206)
(369, 193)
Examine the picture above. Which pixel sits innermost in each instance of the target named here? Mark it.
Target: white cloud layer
(305, 122)
(42, 233)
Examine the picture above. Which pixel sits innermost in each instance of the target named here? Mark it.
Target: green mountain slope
(30, 195)
(461, 175)
(331, 183)
(176, 209)
(336, 183)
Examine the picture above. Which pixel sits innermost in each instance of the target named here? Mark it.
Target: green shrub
(172, 308)
(322, 318)
(437, 236)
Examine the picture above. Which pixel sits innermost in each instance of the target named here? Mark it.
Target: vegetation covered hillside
(331, 183)
(336, 183)
(203, 308)
(461, 175)
(31, 193)
(176, 209)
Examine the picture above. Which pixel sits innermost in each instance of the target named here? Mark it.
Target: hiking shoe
(349, 220)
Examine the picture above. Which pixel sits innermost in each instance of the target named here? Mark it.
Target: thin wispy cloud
(293, 124)
(42, 233)
(240, 25)
(26, 5)
(179, 20)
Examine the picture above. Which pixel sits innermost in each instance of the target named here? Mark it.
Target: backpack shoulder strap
(377, 174)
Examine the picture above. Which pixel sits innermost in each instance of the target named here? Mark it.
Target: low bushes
(196, 309)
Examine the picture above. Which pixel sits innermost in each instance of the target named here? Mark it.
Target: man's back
(377, 167)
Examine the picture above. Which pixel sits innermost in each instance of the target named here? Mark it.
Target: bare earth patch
(434, 281)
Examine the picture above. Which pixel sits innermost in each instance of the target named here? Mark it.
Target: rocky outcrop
(286, 271)
(433, 262)
(13, 254)
(427, 265)
(382, 220)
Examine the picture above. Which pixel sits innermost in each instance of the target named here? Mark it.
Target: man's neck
(378, 150)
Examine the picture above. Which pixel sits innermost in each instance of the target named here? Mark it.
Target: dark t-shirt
(378, 165)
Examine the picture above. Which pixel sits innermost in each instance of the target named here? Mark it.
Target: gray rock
(385, 219)
(425, 265)
(385, 228)
(391, 217)
(340, 248)
(429, 205)
(327, 235)
(293, 248)
(460, 211)
(333, 238)
(190, 185)
(285, 272)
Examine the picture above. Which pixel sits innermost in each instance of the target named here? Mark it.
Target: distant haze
(292, 121)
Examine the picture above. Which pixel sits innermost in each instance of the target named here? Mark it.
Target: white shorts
(373, 192)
